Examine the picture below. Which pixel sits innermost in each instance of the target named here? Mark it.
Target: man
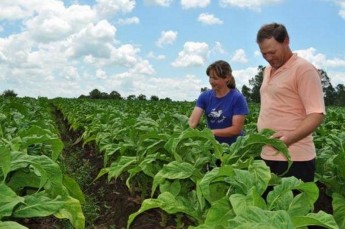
(292, 103)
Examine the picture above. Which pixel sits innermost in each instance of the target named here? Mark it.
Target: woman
(224, 106)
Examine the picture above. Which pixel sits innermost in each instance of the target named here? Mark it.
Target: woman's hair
(275, 30)
(222, 69)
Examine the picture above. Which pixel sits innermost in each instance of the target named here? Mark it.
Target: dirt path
(108, 204)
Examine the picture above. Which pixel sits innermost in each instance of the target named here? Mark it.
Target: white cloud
(239, 56)
(129, 21)
(58, 23)
(100, 74)
(243, 76)
(167, 37)
(151, 55)
(336, 78)
(193, 54)
(320, 60)
(94, 39)
(341, 4)
(248, 4)
(107, 8)
(218, 48)
(165, 3)
(209, 19)
(20, 9)
(186, 4)
(182, 88)
(71, 73)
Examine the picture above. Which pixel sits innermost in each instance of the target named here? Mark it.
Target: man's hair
(275, 30)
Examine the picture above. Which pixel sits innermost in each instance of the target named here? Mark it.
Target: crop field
(82, 163)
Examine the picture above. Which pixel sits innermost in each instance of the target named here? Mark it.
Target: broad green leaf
(250, 146)
(173, 170)
(36, 134)
(257, 218)
(213, 185)
(72, 211)
(168, 203)
(315, 219)
(38, 205)
(282, 198)
(117, 168)
(73, 189)
(5, 162)
(219, 213)
(240, 202)
(338, 203)
(8, 200)
(24, 178)
(11, 225)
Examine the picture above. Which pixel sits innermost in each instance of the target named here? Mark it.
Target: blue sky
(68, 48)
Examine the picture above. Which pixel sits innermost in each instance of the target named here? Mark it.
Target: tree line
(334, 96)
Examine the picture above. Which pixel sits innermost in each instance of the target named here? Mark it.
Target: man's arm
(309, 124)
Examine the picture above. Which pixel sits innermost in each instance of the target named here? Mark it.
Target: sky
(56, 48)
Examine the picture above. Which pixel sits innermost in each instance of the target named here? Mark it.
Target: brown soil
(110, 203)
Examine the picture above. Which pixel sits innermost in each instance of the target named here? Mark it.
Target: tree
(9, 93)
(131, 97)
(340, 100)
(246, 91)
(154, 98)
(115, 95)
(95, 94)
(167, 99)
(329, 92)
(142, 97)
(104, 95)
(256, 84)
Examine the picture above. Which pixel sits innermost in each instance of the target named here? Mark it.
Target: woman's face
(217, 82)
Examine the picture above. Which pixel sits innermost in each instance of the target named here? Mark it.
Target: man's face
(274, 52)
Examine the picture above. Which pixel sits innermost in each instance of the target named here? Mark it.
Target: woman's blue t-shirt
(219, 111)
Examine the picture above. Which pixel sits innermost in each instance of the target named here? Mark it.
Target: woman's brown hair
(222, 69)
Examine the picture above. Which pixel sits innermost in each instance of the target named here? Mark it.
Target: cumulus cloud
(151, 55)
(94, 39)
(59, 23)
(248, 4)
(336, 78)
(320, 60)
(167, 37)
(341, 4)
(193, 54)
(16, 9)
(243, 76)
(107, 8)
(100, 74)
(209, 19)
(164, 3)
(71, 73)
(239, 56)
(128, 21)
(186, 4)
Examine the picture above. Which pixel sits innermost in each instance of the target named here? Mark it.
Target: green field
(82, 163)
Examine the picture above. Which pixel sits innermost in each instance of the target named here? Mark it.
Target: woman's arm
(195, 117)
(234, 130)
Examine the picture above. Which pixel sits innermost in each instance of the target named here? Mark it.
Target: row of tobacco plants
(186, 173)
(179, 170)
(32, 183)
